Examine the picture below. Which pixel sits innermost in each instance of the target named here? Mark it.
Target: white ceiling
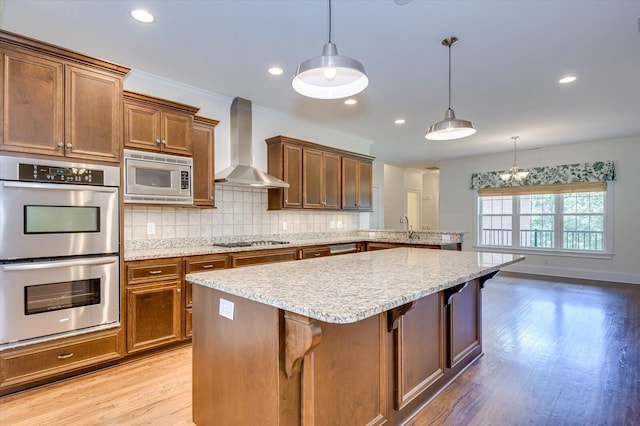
(504, 68)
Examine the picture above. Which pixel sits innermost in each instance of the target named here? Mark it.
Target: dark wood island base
(268, 366)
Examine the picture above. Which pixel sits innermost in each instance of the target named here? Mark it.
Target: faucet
(408, 228)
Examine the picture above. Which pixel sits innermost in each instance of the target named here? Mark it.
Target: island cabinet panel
(464, 323)
(235, 362)
(419, 351)
(256, 257)
(77, 108)
(348, 375)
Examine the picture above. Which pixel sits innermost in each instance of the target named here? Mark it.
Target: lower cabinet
(35, 364)
(154, 303)
(257, 257)
(464, 322)
(315, 251)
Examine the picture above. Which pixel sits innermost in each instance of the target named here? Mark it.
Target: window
(557, 221)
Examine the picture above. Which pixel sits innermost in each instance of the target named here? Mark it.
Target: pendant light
(451, 127)
(330, 76)
(515, 173)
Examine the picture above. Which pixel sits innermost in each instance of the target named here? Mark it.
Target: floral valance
(598, 171)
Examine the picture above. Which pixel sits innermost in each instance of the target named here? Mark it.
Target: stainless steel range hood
(241, 172)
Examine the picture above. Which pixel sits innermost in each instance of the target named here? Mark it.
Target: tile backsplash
(240, 211)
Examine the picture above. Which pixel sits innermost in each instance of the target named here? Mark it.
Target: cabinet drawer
(249, 258)
(311, 252)
(153, 270)
(206, 263)
(29, 364)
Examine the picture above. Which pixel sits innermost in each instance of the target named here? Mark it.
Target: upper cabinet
(284, 161)
(357, 182)
(317, 176)
(203, 161)
(58, 102)
(154, 124)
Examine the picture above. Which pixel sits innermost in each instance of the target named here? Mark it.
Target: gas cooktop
(258, 243)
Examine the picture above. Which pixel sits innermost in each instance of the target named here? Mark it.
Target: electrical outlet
(332, 224)
(226, 309)
(339, 224)
(151, 228)
(284, 226)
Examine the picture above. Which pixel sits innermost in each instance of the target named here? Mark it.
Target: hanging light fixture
(451, 127)
(515, 173)
(330, 76)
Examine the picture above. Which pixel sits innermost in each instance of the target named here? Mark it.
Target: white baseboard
(575, 273)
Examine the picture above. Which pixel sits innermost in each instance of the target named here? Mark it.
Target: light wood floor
(555, 354)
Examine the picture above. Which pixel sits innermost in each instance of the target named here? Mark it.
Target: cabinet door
(365, 185)
(141, 126)
(292, 174)
(177, 131)
(464, 322)
(153, 315)
(331, 180)
(312, 181)
(33, 104)
(349, 183)
(93, 114)
(203, 161)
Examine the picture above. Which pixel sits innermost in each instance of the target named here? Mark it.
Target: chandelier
(515, 173)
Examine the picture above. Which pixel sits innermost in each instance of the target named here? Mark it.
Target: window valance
(598, 171)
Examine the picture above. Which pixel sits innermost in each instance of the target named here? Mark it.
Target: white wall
(394, 196)
(457, 205)
(430, 200)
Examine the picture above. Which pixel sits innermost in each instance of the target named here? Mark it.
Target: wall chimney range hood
(241, 171)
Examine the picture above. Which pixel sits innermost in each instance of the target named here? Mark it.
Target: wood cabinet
(59, 103)
(257, 257)
(155, 124)
(284, 161)
(154, 303)
(320, 179)
(317, 176)
(203, 162)
(463, 321)
(357, 183)
(36, 363)
(193, 264)
(315, 251)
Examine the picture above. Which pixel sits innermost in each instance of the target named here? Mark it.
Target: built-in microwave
(152, 178)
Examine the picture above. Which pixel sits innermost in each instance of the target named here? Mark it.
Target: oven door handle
(54, 186)
(60, 264)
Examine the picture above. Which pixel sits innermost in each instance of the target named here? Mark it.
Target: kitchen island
(359, 339)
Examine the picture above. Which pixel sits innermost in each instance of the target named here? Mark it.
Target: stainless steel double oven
(59, 249)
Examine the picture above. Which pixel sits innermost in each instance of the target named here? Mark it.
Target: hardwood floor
(554, 354)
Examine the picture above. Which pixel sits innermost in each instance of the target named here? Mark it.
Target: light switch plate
(226, 309)
(151, 228)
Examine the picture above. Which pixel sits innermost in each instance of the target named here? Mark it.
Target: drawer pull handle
(65, 356)
(317, 254)
(207, 266)
(155, 272)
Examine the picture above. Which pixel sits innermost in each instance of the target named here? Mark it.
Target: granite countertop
(199, 247)
(350, 288)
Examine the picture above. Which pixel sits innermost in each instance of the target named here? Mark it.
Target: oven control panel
(56, 174)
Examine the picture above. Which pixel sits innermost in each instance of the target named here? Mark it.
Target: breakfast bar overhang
(359, 339)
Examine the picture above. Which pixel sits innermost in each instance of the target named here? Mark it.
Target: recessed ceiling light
(567, 79)
(350, 102)
(400, 121)
(142, 15)
(276, 71)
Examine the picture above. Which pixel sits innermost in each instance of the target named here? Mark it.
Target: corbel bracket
(301, 337)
